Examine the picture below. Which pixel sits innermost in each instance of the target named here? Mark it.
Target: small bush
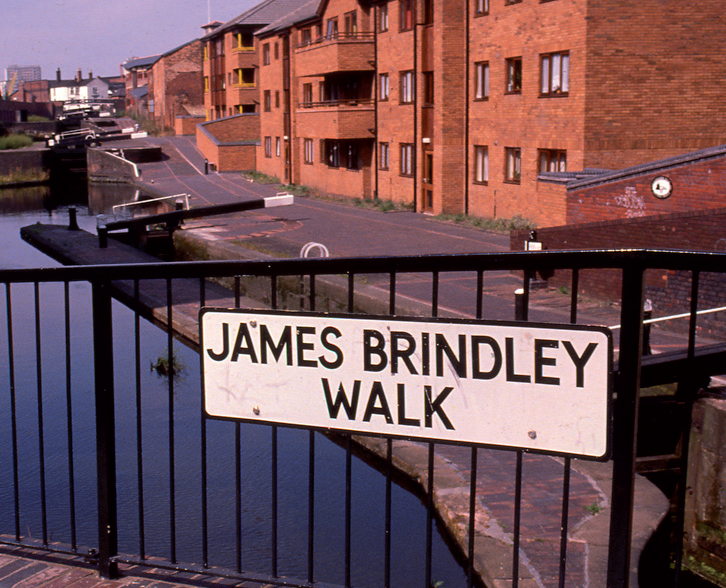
(15, 142)
(491, 224)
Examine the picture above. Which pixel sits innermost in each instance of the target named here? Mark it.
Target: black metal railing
(170, 295)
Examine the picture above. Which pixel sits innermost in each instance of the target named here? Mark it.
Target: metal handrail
(337, 103)
(335, 37)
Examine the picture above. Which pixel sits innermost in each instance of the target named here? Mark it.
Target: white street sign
(528, 386)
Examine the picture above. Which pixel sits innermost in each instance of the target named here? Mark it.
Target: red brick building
(136, 73)
(456, 106)
(175, 82)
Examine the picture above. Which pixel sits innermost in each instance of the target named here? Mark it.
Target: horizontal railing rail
(172, 294)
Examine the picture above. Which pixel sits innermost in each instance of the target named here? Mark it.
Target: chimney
(58, 75)
(79, 75)
(90, 74)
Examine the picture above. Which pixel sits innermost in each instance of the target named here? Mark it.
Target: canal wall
(107, 166)
(12, 160)
(705, 524)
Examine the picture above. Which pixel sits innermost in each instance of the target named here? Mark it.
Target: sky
(99, 35)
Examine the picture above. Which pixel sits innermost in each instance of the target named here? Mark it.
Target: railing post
(625, 428)
(105, 430)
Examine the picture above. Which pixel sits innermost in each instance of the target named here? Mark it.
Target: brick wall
(187, 125)
(177, 80)
(230, 143)
(698, 183)
(272, 121)
(666, 96)
(669, 291)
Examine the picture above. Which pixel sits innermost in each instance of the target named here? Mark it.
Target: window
(383, 156)
(350, 152)
(383, 18)
(244, 77)
(277, 51)
(267, 99)
(308, 149)
(514, 75)
(407, 89)
(428, 167)
(307, 95)
(406, 159)
(247, 108)
(277, 146)
(481, 7)
(555, 73)
(321, 91)
(306, 37)
(332, 29)
(383, 87)
(552, 160)
(405, 10)
(428, 12)
(268, 146)
(266, 54)
(428, 88)
(243, 41)
(332, 153)
(481, 80)
(481, 164)
(277, 98)
(512, 164)
(351, 24)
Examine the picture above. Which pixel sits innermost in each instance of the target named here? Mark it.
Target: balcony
(337, 119)
(338, 53)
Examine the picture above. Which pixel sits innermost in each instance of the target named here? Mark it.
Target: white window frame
(408, 87)
(383, 155)
(513, 165)
(481, 164)
(406, 152)
(481, 80)
(383, 86)
(555, 74)
(309, 151)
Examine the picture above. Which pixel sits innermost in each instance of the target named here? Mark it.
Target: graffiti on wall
(633, 204)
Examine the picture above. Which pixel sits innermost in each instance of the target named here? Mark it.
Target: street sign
(537, 387)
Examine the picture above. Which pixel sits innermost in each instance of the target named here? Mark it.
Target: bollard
(519, 304)
(72, 219)
(206, 167)
(647, 315)
(102, 231)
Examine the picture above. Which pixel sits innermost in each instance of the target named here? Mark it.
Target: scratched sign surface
(534, 387)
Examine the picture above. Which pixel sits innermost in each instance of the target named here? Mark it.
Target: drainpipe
(288, 102)
(467, 89)
(376, 154)
(415, 149)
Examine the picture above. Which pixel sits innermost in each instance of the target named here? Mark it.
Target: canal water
(27, 206)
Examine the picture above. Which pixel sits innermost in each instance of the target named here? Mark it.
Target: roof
(261, 15)
(172, 51)
(139, 92)
(650, 167)
(140, 62)
(308, 10)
